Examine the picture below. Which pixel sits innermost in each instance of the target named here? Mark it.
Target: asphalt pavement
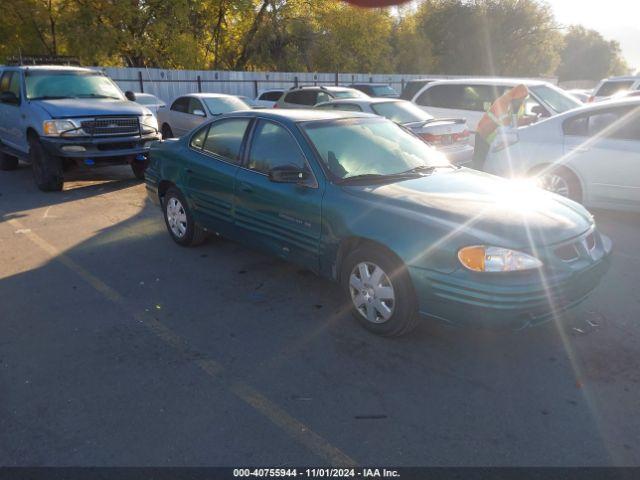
(120, 348)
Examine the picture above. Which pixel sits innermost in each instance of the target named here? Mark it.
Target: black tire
(404, 308)
(166, 132)
(138, 167)
(193, 234)
(47, 168)
(8, 162)
(548, 178)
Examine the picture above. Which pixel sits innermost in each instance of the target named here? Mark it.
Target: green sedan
(362, 201)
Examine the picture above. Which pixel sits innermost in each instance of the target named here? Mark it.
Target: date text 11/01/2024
(316, 472)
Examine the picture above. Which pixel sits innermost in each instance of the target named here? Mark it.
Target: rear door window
(302, 97)
(270, 96)
(621, 123)
(224, 139)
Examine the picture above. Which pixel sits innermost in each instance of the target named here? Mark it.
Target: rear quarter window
(301, 97)
(270, 96)
(612, 87)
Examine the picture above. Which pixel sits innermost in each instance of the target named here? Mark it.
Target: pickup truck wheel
(47, 168)
(139, 167)
(166, 132)
(379, 291)
(8, 162)
(179, 220)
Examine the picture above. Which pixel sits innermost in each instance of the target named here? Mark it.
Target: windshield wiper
(50, 97)
(379, 176)
(95, 95)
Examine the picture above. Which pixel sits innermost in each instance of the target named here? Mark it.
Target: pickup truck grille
(110, 126)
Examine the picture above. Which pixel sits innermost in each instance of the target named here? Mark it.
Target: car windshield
(369, 146)
(400, 111)
(70, 84)
(220, 105)
(382, 90)
(555, 98)
(350, 93)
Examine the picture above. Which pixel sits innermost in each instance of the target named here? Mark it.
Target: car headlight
(148, 123)
(56, 128)
(480, 258)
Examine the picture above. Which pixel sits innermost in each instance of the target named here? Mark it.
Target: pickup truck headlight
(481, 258)
(148, 123)
(65, 128)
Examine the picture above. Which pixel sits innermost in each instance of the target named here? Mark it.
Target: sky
(614, 19)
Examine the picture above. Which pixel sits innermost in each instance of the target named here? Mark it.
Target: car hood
(492, 209)
(90, 107)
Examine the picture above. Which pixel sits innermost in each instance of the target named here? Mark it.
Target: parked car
(152, 102)
(414, 86)
(305, 97)
(359, 199)
(268, 98)
(55, 117)
(591, 155)
(249, 101)
(189, 111)
(376, 89)
(609, 87)
(581, 94)
(448, 135)
(470, 98)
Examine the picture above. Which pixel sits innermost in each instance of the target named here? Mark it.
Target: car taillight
(431, 138)
(591, 99)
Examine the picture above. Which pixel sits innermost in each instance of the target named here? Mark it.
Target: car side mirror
(199, 113)
(9, 97)
(130, 95)
(287, 174)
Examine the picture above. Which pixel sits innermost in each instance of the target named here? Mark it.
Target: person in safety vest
(507, 110)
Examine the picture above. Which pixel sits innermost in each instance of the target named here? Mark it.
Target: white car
(611, 87)
(268, 98)
(591, 154)
(581, 94)
(448, 135)
(189, 111)
(470, 98)
(152, 102)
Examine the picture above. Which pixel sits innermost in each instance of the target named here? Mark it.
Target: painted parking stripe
(292, 427)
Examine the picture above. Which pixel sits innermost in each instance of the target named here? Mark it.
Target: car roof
(588, 107)
(364, 101)
(622, 78)
(301, 114)
(490, 81)
(208, 95)
(330, 88)
(367, 84)
(53, 68)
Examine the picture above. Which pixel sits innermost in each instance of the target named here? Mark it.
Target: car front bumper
(99, 147)
(467, 298)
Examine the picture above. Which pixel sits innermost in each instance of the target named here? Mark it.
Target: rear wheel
(179, 220)
(562, 181)
(8, 162)
(47, 168)
(166, 131)
(379, 290)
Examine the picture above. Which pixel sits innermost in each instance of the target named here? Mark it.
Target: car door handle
(188, 170)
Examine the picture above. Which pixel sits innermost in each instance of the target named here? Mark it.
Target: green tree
(491, 37)
(588, 56)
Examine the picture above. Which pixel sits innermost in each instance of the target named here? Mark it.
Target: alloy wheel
(555, 183)
(372, 292)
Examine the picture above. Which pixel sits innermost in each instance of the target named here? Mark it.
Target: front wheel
(561, 181)
(179, 220)
(166, 132)
(139, 167)
(379, 291)
(47, 168)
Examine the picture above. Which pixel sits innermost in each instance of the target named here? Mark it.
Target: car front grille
(111, 126)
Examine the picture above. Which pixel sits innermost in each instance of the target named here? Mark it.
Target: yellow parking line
(294, 428)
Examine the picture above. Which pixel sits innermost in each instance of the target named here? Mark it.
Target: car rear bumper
(487, 303)
(99, 147)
